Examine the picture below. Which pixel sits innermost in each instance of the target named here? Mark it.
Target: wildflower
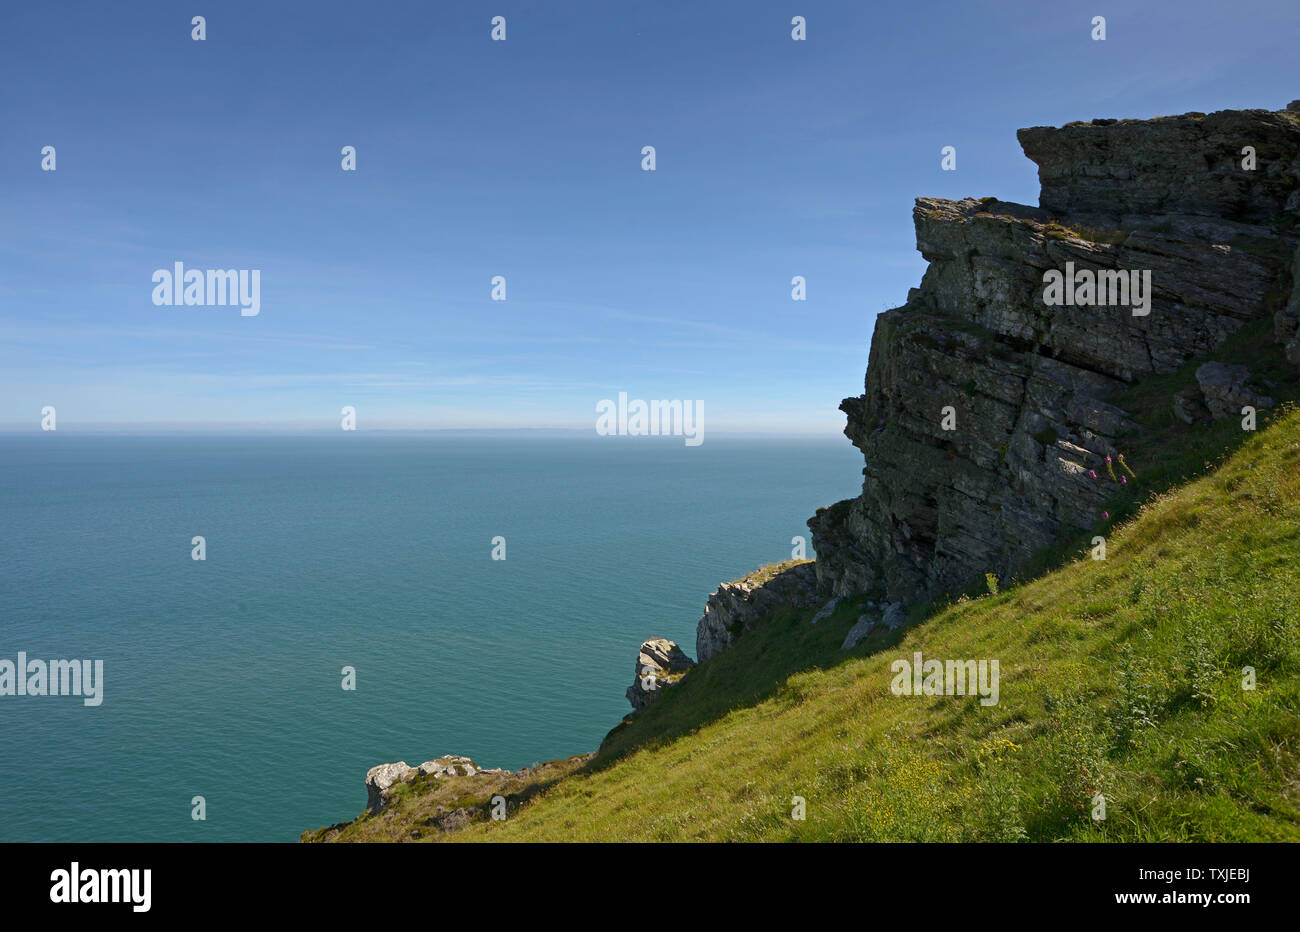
(1092, 474)
(1106, 515)
(1123, 480)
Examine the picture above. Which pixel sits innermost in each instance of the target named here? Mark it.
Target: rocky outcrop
(887, 616)
(1223, 388)
(444, 795)
(660, 663)
(735, 607)
(1221, 391)
(827, 610)
(984, 407)
(1126, 170)
(381, 779)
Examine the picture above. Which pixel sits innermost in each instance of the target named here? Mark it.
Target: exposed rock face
(734, 607)
(1029, 383)
(382, 778)
(450, 766)
(452, 806)
(1224, 390)
(1188, 164)
(826, 610)
(660, 663)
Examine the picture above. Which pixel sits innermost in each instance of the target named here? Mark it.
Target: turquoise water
(222, 677)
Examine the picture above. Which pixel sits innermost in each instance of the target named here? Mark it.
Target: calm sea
(222, 677)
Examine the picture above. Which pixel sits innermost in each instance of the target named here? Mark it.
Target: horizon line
(156, 429)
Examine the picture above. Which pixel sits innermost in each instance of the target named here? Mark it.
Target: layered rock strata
(660, 663)
(735, 607)
(1025, 387)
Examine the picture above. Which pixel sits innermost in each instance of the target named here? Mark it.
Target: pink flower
(1092, 473)
(1108, 459)
(1106, 514)
(1121, 457)
(1123, 480)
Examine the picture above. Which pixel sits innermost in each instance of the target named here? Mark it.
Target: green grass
(1121, 677)
(765, 574)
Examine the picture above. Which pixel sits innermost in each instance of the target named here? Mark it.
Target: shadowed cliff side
(1031, 388)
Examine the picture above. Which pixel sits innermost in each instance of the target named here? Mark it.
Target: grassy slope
(1122, 676)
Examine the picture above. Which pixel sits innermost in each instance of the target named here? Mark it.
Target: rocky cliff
(735, 607)
(984, 407)
(660, 663)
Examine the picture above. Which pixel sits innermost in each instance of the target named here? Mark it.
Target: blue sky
(522, 158)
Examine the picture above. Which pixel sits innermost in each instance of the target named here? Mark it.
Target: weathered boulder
(826, 610)
(735, 607)
(452, 765)
(1029, 386)
(865, 624)
(380, 779)
(659, 663)
(1225, 392)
